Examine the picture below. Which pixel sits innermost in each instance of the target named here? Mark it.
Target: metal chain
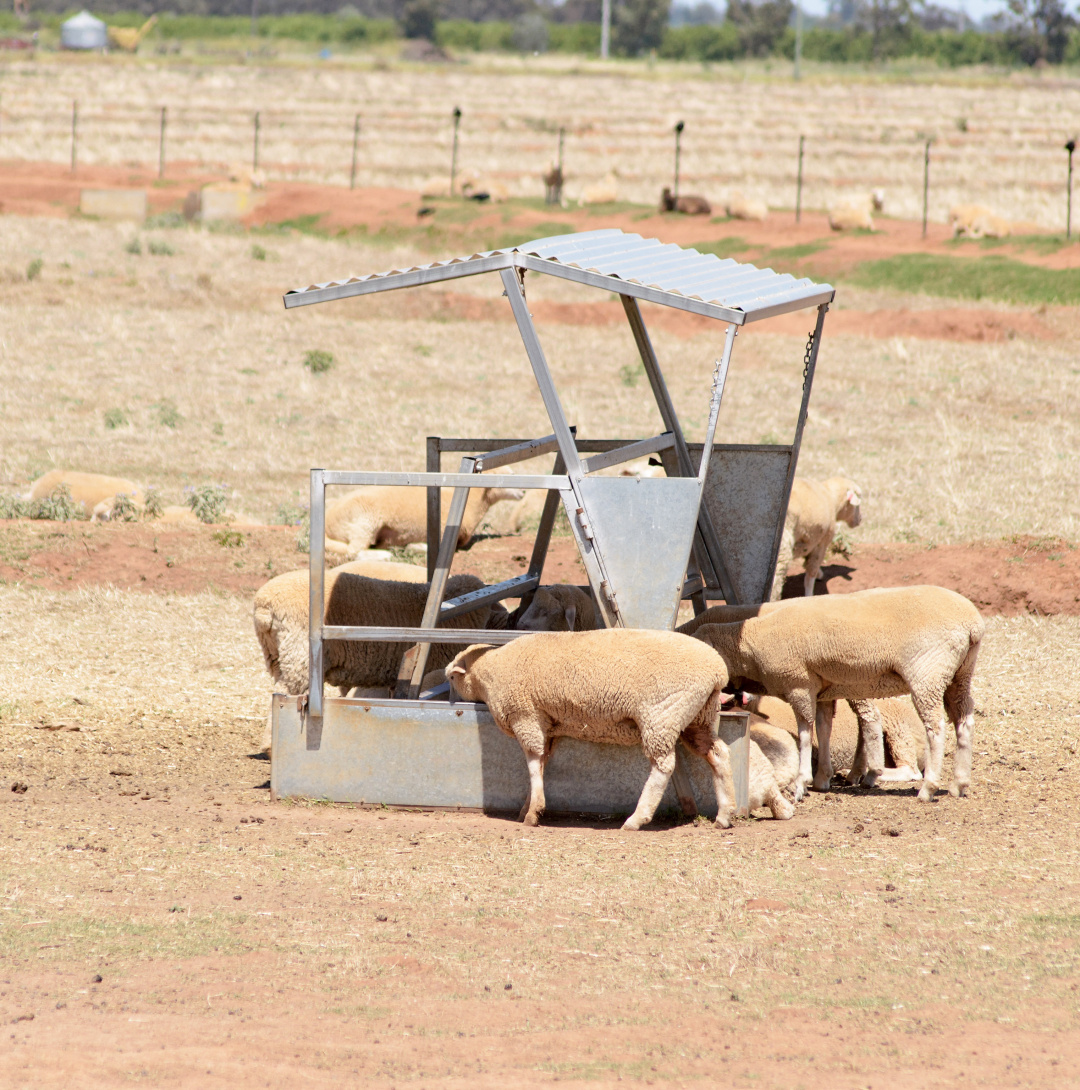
(806, 357)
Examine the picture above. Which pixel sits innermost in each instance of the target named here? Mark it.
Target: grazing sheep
(689, 205)
(281, 625)
(977, 221)
(739, 207)
(856, 213)
(93, 491)
(902, 731)
(559, 608)
(605, 192)
(868, 645)
(621, 686)
(814, 510)
(389, 515)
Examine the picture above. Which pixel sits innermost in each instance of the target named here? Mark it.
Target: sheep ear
(571, 616)
(454, 669)
(853, 497)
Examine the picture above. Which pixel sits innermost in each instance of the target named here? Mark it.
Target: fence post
(255, 155)
(562, 137)
(453, 154)
(605, 29)
(1070, 147)
(798, 40)
(798, 183)
(925, 184)
(679, 126)
(355, 143)
(74, 134)
(161, 146)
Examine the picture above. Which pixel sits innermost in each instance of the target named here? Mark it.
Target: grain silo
(83, 31)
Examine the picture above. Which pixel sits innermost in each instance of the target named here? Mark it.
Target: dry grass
(952, 442)
(742, 129)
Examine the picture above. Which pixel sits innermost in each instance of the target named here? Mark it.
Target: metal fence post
(316, 594)
(161, 145)
(355, 145)
(925, 184)
(255, 154)
(1070, 147)
(453, 153)
(798, 184)
(605, 29)
(679, 126)
(74, 134)
(798, 39)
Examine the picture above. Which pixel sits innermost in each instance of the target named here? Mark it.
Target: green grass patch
(990, 277)
(797, 253)
(724, 247)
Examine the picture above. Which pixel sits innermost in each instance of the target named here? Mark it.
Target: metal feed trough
(709, 529)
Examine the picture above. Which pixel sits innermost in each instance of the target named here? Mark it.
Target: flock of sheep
(899, 658)
(891, 654)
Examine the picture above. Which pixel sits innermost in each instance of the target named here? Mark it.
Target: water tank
(83, 31)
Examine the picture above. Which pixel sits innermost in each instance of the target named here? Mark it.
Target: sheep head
(547, 613)
(497, 495)
(461, 674)
(851, 509)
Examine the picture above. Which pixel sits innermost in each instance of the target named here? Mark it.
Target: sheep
(810, 526)
(352, 598)
(93, 491)
(559, 608)
(850, 217)
(605, 192)
(871, 644)
(902, 733)
(739, 207)
(774, 767)
(977, 221)
(389, 515)
(621, 686)
(689, 205)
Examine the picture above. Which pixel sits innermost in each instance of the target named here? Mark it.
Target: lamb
(559, 608)
(621, 686)
(389, 515)
(774, 767)
(977, 221)
(739, 207)
(352, 598)
(689, 205)
(814, 509)
(93, 491)
(871, 644)
(856, 213)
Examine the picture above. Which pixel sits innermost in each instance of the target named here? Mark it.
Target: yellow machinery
(127, 37)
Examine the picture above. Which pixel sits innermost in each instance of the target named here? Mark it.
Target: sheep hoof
(724, 820)
(631, 824)
(869, 780)
(959, 790)
(822, 785)
(532, 819)
(782, 810)
(799, 791)
(927, 791)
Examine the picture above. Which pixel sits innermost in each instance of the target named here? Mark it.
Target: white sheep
(739, 207)
(94, 492)
(856, 212)
(862, 646)
(620, 686)
(352, 598)
(810, 526)
(977, 221)
(391, 515)
(605, 192)
(559, 608)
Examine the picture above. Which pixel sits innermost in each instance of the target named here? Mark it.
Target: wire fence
(1001, 146)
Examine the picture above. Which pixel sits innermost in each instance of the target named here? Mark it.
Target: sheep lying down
(622, 686)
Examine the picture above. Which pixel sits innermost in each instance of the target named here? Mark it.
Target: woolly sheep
(94, 491)
(977, 221)
(774, 767)
(389, 515)
(559, 608)
(605, 192)
(856, 212)
(739, 207)
(867, 645)
(352, 598)
(814, 510)
(621, 686)
(688, 205)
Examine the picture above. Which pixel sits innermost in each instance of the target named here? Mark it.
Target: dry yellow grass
(952, 442)
(742, 133)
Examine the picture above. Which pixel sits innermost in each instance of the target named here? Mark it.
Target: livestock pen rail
(710, 528)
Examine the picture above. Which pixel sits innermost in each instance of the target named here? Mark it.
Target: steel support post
(434, 503)
(316, 600)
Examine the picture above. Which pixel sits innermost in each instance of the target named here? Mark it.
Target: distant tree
(638, 25)
(761, 25)
(418, 19)
(530, 34)
(888, 22)
(1038, 30)
(699, 14)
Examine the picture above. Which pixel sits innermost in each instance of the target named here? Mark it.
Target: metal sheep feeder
(708, 530)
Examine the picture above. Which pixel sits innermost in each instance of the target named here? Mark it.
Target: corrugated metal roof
(616, 261)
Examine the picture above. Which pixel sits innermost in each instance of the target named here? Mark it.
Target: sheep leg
(653, 792)
(267, 740)
(813, 566)
(961, 710)
(869, 760)
(929, 709)
(531, 811)
(720, 762)
(823, 776)
(804, 707)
